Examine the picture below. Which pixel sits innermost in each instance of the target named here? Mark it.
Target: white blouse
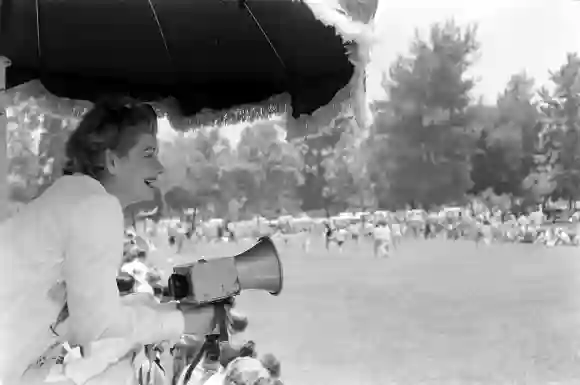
(73, 233)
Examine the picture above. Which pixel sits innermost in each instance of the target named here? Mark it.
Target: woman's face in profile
(135, 175)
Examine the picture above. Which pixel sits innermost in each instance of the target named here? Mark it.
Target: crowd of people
(387, 229)
(483, 227)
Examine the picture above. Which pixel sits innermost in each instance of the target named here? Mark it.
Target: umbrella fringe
(330, 13)
(279, 105)
(363, 36)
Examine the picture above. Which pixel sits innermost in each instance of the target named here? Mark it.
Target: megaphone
(214, 280)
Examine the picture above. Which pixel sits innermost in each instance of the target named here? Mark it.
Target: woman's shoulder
(76, 184)
(76, 190)
(75, 196)
(61, 200)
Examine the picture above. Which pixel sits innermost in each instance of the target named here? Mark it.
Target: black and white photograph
(289, 192)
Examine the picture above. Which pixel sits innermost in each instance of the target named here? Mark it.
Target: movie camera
(211, 281)
(214, 282)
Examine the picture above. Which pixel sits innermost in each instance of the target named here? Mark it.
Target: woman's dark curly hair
(113, 124)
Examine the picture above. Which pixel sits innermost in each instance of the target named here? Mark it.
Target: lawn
(436, 312)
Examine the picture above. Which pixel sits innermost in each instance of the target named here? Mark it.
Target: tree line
(430, 144)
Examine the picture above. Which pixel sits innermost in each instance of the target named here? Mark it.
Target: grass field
(435, 313)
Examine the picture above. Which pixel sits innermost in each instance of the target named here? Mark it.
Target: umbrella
(267, 56)
(206, 53)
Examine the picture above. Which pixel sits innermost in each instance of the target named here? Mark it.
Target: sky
(515, 35)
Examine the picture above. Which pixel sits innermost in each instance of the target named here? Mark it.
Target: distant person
(523, 222)
(396, 233)
(486, 232)
(306, 234)
(340, 238)
(427, 230)
(148, 366)
(136, 267)
(180, 236)
(382, 239)
(172, 234)
(537, 219)
(229, 228)
(328, 235)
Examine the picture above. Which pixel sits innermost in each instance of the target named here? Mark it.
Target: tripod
(210, 348)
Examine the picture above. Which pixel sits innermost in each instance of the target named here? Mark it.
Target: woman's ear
(111, 162)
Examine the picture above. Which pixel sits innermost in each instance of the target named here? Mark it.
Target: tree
(315, 138)
(561, 129)
(194, 171)
(37, 138)
(505, 149)
(275, 167)
(56, 130)
(203, 169)
(538, 186)
(174, 184)
(23, 167)
(422, 153)
(179, 199)
(487, 161)
(347, 179)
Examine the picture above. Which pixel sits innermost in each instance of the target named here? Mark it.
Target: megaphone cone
(260, 268)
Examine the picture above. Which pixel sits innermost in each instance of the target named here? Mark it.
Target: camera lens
(178, 286)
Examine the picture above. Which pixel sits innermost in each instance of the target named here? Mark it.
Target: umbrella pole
(4, 63)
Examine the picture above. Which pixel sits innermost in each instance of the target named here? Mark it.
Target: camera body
(205, 281)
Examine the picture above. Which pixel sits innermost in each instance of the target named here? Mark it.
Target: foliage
(275, 167)
(36, 139)
(422, 145)
(561, 130)
(504, 154)
(347, 179)
(315, 138)
(194, 168)
(430, 144)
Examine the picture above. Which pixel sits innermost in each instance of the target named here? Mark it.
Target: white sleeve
(93, 254)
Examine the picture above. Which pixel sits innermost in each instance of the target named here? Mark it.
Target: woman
(66, 247)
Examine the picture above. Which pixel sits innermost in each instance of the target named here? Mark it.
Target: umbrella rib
(160, 29)
(38, 46)
(245, 4)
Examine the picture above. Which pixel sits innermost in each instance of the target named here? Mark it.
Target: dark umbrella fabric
(206, 53)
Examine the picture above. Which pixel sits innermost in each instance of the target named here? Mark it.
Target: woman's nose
(160, 168)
